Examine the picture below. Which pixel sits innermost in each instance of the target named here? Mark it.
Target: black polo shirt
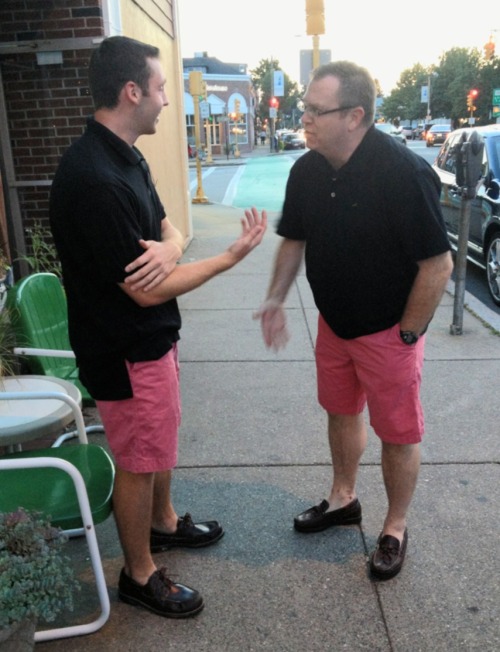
(101, 204)
(365, 227)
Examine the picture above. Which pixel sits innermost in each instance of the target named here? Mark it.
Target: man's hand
(154, 265)
(273, 324)
(253, 227)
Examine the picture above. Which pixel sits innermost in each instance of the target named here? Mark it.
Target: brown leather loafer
(388, 557)
(316, 519)
(187, 535)
(160, 595)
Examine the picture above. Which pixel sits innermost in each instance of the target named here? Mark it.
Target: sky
(386, 39)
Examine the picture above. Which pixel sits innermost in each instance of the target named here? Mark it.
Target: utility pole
(197, 89)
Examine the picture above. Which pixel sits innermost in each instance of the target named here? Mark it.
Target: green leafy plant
(44, 256)
(8, 360)
(35, 579)
(4, 264)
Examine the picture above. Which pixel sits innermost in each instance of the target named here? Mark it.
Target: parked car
(408, 132)
(437, 134)
(294, 141)
(484, 230)
(392, 130)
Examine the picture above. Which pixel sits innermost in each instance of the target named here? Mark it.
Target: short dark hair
(116, 61)
(357, 87)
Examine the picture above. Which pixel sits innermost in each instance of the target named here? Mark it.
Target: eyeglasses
(316, 113)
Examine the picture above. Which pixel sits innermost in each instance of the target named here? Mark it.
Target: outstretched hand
(273, 324)
(253, 227)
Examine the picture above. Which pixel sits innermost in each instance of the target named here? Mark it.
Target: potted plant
(36, 581)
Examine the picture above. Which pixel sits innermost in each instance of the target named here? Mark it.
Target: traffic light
(471, 98)
(237, 106)
(274, 103)
(196, 83)
(315, 17)
(489, 50)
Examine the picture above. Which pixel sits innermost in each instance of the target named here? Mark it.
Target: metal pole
(456, 327)
(200, 197)
(315, 51)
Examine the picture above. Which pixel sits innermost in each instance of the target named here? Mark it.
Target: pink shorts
(142, 431)
(377, 370)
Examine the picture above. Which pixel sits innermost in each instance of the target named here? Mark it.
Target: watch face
(409, 337)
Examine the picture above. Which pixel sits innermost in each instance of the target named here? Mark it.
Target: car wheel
(493, 267)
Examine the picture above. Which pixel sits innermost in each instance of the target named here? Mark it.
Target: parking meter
(474, 163)
(469, 163)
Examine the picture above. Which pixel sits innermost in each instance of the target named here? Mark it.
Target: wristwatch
(408, 337)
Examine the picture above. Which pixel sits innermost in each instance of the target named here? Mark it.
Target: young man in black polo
(119, 254)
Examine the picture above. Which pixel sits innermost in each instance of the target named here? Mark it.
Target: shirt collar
(131, 154)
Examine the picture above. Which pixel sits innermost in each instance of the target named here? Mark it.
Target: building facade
(45, 48)
(228, 122)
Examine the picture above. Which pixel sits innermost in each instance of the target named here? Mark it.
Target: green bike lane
(262, 182)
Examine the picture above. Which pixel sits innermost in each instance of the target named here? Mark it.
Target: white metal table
(36, 406)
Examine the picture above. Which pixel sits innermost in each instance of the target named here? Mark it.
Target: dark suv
(484, 233)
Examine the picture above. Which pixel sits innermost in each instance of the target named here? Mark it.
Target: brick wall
(47, 105)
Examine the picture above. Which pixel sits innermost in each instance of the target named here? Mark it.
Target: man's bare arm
(428, 287)
(188, 276)
(271, 313)
(158, 260)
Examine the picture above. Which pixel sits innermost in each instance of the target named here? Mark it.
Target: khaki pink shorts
(142, 431)
(377, 370)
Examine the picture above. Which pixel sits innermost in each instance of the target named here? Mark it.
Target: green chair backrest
(38, 309)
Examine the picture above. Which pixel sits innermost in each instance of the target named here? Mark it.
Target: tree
(262, 80)
(404, 102)
(457, 73)
(459, 70)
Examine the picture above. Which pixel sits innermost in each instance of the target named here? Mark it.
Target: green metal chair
(73, 486)
(39, 316)
(38, 311)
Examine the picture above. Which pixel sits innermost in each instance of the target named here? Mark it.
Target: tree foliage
(459, 70)
(262, 79)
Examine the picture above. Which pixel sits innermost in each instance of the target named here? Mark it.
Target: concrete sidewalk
(253, 453)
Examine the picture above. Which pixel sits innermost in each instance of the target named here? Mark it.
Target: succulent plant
(36, 580)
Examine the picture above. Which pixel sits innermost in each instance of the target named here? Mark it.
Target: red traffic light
(274, 102)
(474, 93)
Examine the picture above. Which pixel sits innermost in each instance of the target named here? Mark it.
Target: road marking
(194, 183)
(233, 187)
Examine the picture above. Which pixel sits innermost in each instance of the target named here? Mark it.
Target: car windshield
(440, 128)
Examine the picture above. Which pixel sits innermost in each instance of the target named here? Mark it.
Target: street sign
(204, 110)
(278, 83)
(496, 97)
